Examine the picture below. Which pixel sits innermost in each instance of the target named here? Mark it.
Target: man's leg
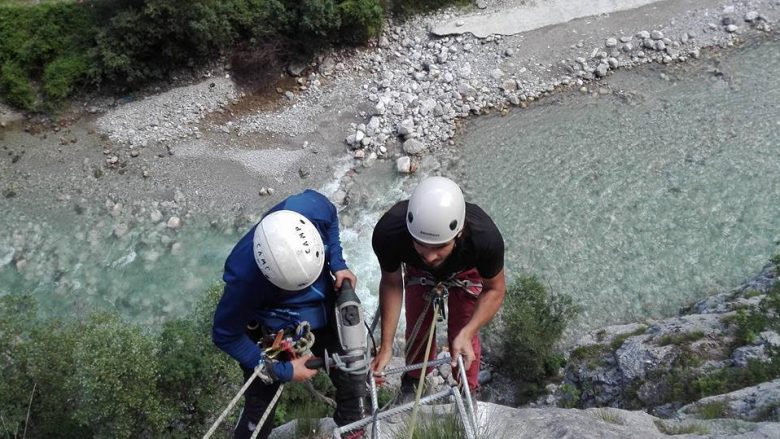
(351, 389)
(462, 302)
(256, 400)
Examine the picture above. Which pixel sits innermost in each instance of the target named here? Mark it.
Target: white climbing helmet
(436, 211)
(289, 250)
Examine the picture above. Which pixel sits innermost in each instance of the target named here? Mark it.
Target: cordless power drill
(353, 335)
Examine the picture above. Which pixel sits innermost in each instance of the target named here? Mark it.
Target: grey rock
(467, 90)
(120, 230)
(611, 42)
(628, 47)
(296, 69)
(751, 16)
(403, 165)
(656, 35)
(496, 73)
(413, 146)
(601, 70)
(174, 222)
(643, 35)
(731, 28)
(406, 127)
(509, 85)
(625, 39)
(743, 354)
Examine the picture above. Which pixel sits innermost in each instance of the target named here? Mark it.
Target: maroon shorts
(461, 303)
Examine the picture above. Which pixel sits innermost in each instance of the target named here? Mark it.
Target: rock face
(496, 421)
(722, 343)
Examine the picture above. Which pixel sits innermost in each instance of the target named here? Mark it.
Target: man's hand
(462, 345)
(345, 274)
(379, 363)
(300, 371)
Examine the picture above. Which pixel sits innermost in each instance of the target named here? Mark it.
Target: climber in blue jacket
(286, 270)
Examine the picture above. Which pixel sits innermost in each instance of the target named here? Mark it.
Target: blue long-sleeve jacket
(249, 296)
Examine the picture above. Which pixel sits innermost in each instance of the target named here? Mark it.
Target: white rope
(231, 405)
(267, 411)
(423, 372)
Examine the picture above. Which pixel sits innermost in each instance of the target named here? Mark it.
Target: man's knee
(254, 408)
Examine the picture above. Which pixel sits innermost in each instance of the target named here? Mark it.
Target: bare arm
(391, 295)
(488, 304)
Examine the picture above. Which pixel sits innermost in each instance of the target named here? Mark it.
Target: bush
(361, 20)
(63, 74)
(533, 323)
(48, 43)
(101, 377)
(127, 43)
(409, 7)
(16, 87)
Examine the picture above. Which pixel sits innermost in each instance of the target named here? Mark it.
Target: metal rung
(392, 412)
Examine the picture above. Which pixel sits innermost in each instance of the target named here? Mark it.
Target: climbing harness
(295, 344)
(440, 289)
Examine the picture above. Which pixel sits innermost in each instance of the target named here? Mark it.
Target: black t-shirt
(480, 245)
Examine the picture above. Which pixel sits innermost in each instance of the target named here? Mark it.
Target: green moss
(679, 339)
(713, 410)
(674, 429)
(609, 416)
(591, 355)
(569, 396)
(618, 341)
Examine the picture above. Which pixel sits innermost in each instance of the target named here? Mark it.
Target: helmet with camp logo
(289, 250)
(436, 211)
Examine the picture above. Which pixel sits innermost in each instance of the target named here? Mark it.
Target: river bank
(404, 96)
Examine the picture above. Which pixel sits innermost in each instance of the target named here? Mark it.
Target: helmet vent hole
(302, 221)
(453, 224)
(410, 217)
(317, 254)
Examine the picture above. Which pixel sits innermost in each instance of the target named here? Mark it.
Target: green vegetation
(713, 410)
(102, 377)
(409, 7)
(609, 416)
(618, 341)
(569, 396)
(680, 339)
(51, 49)
(297, 402)
(533, 320)
(447, 425)
(99, 376)
(674, 429)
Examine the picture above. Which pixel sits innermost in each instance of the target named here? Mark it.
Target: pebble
(625, 39)
(751, 16)
(174, 222)
(404, 165)
(643, 35)
(611, 42)
(656, 35)
(731, 28)
(120, 230)
(134, 153)
(628, 47)
(413, 146)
